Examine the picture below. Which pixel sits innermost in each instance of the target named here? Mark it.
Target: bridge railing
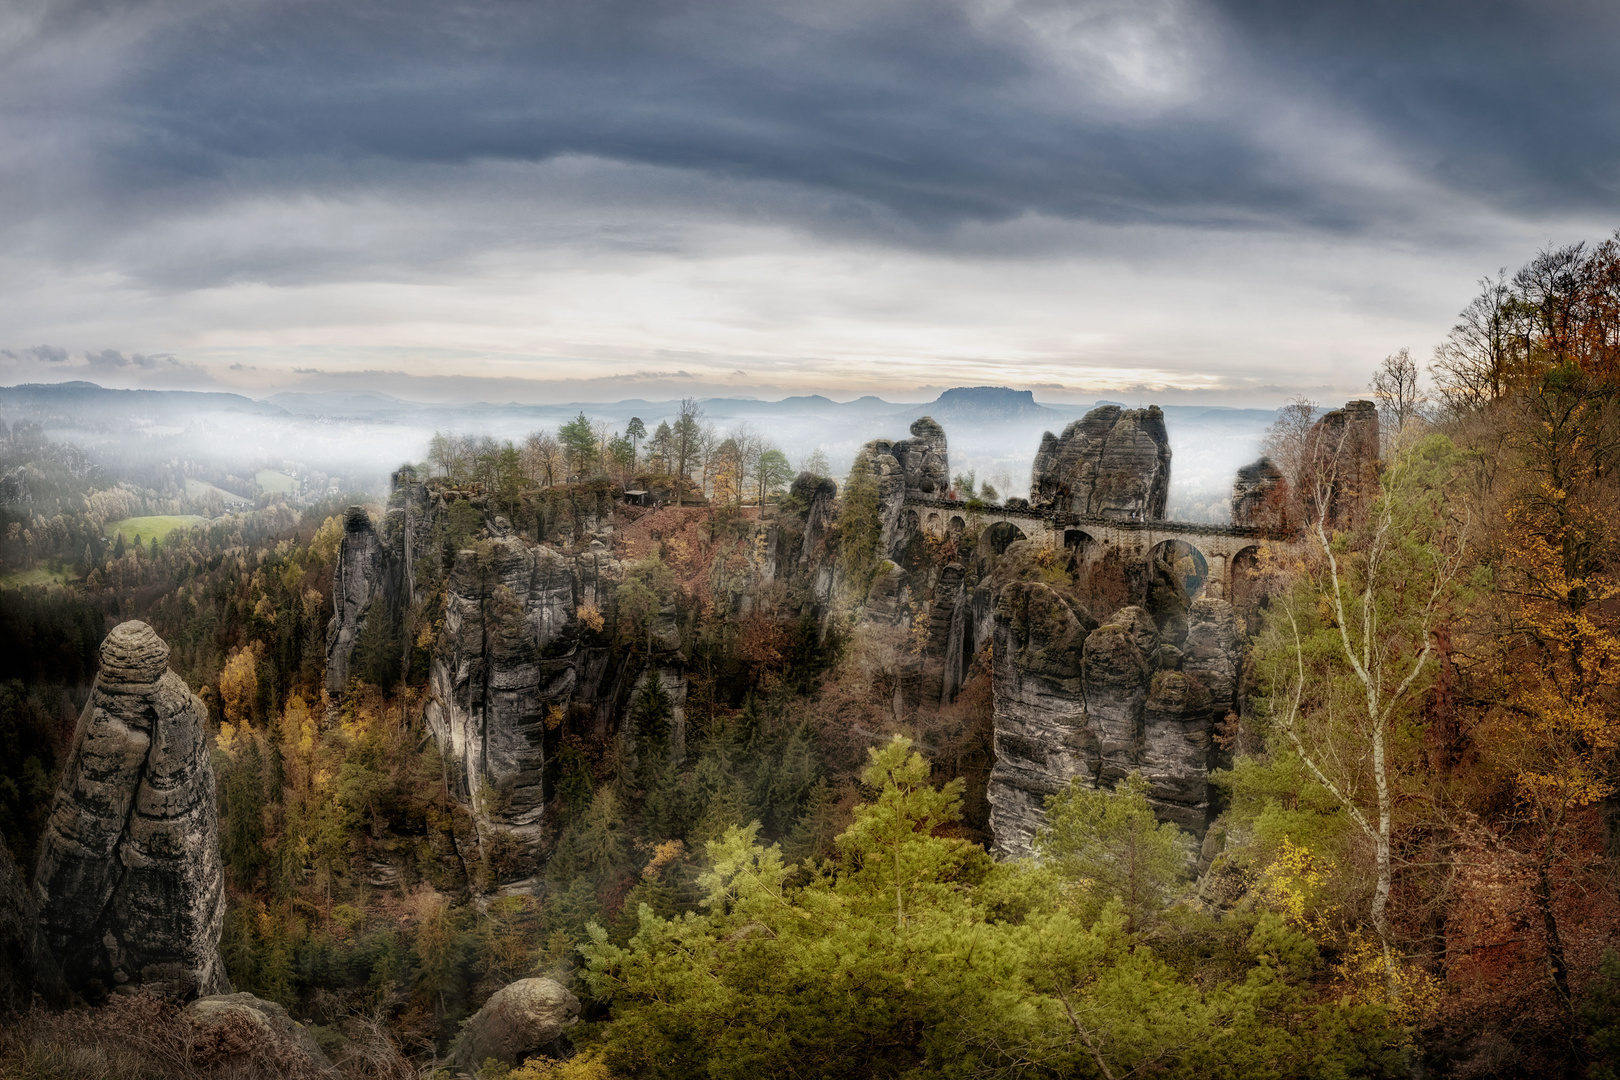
(1063, 519)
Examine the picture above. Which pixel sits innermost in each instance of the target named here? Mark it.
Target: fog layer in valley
(213, 451)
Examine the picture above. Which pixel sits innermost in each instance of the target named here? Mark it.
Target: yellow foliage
(555, 715)
(239, 684)
(585, 1066)
(591, 617)
(328, 538)
(919, 632)
(1292, 882)
(664, 854)
(231, 738)
(1410, 993)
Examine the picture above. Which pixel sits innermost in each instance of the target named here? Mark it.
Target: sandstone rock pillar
(129, 882)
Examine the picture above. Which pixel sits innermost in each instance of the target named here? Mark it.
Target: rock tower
(129, 883)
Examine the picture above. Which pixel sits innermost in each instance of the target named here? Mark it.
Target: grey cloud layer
(935, 113)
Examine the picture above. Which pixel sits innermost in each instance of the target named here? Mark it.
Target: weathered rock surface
(1097, 703)
(517, 1020)
(506, 655)
(1112, 463)
(281, 1038)
(1260, 497)
(363, 576)
(1042, 736)
(918, 467)
(1344, 452)
(129, 883)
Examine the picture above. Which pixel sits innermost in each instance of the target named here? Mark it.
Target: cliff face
(918, 467)
(365, 576)
(1338, 468)
(1074, 698)
(507, 655)
(129, 883)
(1112, 463)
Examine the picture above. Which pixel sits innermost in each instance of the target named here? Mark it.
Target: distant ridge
(986, 405)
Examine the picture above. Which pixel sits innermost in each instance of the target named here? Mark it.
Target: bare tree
(543, 459)
(1400, 401)
(1473, 366)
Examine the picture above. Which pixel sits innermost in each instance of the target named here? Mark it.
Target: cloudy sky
(604, 199)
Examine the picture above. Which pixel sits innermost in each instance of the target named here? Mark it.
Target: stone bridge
(1220, 558)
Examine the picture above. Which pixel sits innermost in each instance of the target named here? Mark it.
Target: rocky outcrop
(518, 1020)
(818, 496)
(1042, 736)
(1112, 463)
(1097, 702)
(1344, 459)
(280, 1038)
(363, 578)
(918, 467)
(1260, 497)
(503, 659)
(129, 883)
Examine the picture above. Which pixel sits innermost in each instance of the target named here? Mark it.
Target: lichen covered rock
(1112, 463)
(129, 882)
(517, 1020)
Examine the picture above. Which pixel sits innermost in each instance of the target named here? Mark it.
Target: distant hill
(985, 405)
(86, 402)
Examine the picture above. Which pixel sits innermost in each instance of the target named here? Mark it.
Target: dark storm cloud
(931, 113)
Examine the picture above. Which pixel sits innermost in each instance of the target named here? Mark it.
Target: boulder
(129, 882)
(517, 1020)
(281, 1038)
(1111, 463)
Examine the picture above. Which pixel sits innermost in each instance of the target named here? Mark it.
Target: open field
(273, 481)
(200, 488)
(159, 525)
(39, 576)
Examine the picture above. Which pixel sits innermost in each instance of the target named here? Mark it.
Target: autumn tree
(1348, 648)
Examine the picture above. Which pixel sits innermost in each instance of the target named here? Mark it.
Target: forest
(748, 822)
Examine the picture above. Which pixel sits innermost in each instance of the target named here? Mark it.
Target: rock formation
(1112, 463)
(280, 1038)
(518, 1020)
(503, 659)
(1260, 497)
(1338, 466)
(129, 883)
(364, 576)
(1344, 458)
(1097, 702)
(918, 467)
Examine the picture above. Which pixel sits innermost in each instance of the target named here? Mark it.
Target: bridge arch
(1001, 535)
(1184, 564)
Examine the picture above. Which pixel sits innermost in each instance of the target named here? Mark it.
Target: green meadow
(275, 482)
(159, 525)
